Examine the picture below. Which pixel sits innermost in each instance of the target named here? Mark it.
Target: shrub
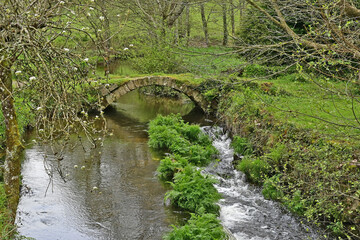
(187, 141)
(296, 203)
(241, 146)
(169, 166)
(277, 153)
(255, 70)
(162, 137)
(194, 192)
(199, 227)
(254, 169)
(156, 59)
(271, 190)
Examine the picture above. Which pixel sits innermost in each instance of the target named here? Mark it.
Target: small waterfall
(244, 210)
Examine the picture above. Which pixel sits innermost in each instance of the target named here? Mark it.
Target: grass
(312, 104)
(5, 226)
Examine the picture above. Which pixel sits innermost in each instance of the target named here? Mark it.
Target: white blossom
(101, 18)
(86, 59)
(66, 49)
(32, 78)
(62, 2)
(91, 8)
(17, 72)
(38, 108)
(125, 49)
(131, 45)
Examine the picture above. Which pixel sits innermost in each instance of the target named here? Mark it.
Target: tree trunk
(225, 29)
(204, 22)
(242, 6)
(232, 18)
(188, 26)
(176, 32)
(13, 141)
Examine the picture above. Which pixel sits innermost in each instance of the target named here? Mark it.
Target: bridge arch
(111, 92)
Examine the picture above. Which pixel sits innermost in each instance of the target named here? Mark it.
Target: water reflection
(110, 192)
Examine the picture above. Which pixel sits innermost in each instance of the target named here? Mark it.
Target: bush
(277, 153)
(255, 170)
(271, 190)
(241, 146)
(194, 192)
(171, 133)
(171, 165)
(255, 70)
(156, 59)
(199, 227)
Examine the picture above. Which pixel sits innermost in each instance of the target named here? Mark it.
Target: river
(108, 193)
(112, 192)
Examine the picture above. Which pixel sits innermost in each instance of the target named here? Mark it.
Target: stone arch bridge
(111, 92)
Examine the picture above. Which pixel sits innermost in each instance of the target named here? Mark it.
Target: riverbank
(313, 175)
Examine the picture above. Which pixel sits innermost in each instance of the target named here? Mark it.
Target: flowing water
(244, 211)
(112, 192)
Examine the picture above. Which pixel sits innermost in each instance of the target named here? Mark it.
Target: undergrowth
(5, 224)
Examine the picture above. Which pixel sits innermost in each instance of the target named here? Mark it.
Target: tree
(225, 28)
(204, 23)
(38, 51)
(319, 35)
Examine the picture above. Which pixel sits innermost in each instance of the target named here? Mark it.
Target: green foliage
(194, 192)
(191, 191)
(171, 165)
(296, 204)
(171, 133)
(255, 170)
(241, 146)
(156, 59)
(277, 153)
(199, 227)
(255, 70)
(24, 116)
(271, 190)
